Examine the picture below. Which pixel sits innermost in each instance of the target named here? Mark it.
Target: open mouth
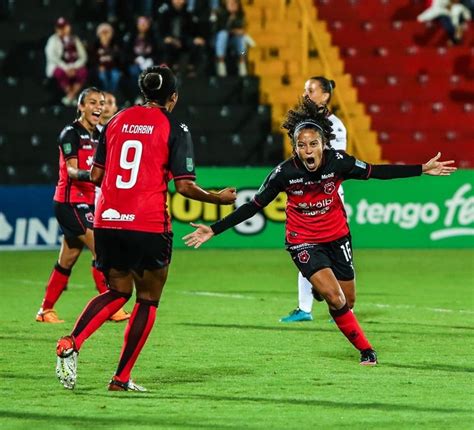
(310, 163)
(96, 114)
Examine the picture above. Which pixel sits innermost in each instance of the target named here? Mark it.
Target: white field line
(241, 296)
(364, 304)
(43, 283)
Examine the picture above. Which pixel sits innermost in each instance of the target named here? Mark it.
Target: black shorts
(127, 250)
(74, 218)
(336, 255)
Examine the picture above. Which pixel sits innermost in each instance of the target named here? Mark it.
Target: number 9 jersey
(141, 149)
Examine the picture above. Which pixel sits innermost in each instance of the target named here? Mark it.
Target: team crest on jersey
(303, 256)
(329, 187)
(189, 164)
(67, 148)
(184, 127)
(89, 160)
(90, 217)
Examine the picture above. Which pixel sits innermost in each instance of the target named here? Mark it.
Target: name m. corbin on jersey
(137, 129)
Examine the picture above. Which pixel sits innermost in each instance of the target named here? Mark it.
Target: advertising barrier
(426, 212)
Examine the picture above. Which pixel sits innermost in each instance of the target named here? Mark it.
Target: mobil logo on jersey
(27, 220)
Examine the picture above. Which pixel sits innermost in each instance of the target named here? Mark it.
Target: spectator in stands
(230, 32)
(66, 60)
(448, 15)
(105, 58)
(461, 15)
(142, 50)
(184, 46)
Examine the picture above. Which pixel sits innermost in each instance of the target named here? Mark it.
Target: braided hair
(157, 83)
(308, 115)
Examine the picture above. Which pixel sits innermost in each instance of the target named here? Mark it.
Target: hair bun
(153, 81)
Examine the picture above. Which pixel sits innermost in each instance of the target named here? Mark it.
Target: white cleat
(66, 364)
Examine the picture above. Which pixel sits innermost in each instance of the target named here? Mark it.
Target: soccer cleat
(116, 385)
(48, 316)
(66, 365)
(368, 357)
(297, 316)
(120, 315)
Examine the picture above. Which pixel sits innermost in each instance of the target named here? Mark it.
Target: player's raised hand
(202, 234)
(227, 196)
(438, 168)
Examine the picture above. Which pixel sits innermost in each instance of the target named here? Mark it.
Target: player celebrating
(74, 202)
(317, 234)
(139, 150)
(319, 89)
(109, 110)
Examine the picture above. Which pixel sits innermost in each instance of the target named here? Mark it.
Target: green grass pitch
(219, 359)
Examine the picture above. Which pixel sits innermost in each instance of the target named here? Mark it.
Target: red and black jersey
(75, 142)
(314, 210)
(141, 149)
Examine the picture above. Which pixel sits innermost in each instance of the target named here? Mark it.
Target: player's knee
(335, 299)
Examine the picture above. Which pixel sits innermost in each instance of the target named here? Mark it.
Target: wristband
(83, 175)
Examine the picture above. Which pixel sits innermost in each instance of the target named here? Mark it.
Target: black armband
(84, 175)
(243, 213)
(393, 171)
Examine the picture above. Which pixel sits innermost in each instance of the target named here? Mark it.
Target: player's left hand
(438, 168)
(202, 234)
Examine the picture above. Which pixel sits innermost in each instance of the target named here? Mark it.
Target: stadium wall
(427, 212)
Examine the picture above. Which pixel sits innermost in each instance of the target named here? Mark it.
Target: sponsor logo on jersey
(87, 147)
(114, 215)
(329, 187)
(189, 164)
(327, 175)
(296, 181)
(67, 148)
(89, 160)
(84, 136)
(296, 192)
(303, 256)
(137, 128)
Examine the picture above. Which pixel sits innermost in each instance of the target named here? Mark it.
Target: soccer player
(139, 150)
(110, 108)
(319, 89)
(317, 235)
(74, 202)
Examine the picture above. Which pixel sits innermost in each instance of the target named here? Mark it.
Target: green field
(219, 359)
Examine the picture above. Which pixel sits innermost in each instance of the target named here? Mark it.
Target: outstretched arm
(190, 189)
(438, 168)
(203, 232)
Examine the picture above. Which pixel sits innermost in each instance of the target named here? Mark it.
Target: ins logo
(303, 256)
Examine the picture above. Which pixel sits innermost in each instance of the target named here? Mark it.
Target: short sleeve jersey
(141, 149)
(338, 128)
(75, 142)
(314, 210)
